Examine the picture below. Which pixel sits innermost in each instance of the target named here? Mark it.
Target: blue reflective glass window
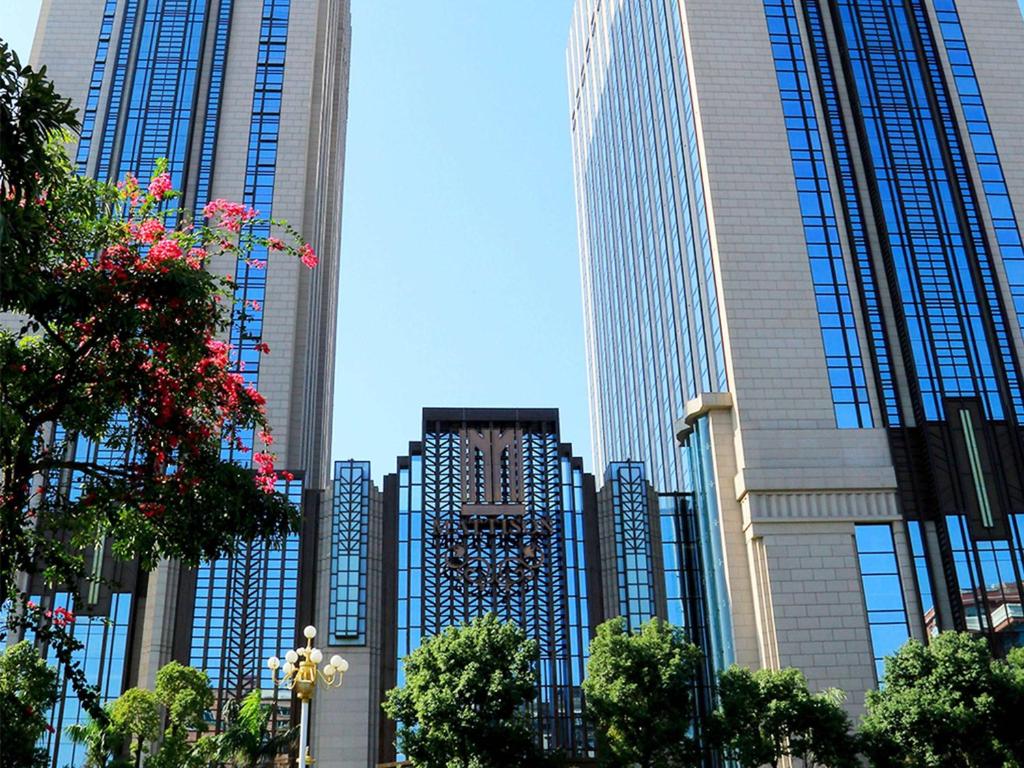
(211, 120)
(261, 166)
(990, 577)
(821, 228)
(883, 591)
(259, 580)
(932, 224)
(157, 119)
(651, 300)
(923, 574)
(720, 649)
(993, 188)
(102, 658)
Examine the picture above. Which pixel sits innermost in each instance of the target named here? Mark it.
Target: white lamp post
(302, 677)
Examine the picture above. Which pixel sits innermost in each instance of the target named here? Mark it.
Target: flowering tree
(119, 338)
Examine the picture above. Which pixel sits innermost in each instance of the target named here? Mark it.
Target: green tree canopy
(464, 702)
(768, 715)
(28, 689)
(639, 694)
(136, 719)
(946, 704)
(135, 715)
(186, 696)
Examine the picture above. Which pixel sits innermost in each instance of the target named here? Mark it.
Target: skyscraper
(247, 100)
(803, 288)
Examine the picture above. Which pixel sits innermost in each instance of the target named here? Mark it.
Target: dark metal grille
(506, 558)
(246, 609)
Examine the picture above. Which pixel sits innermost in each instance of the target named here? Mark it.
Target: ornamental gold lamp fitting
(301, 673)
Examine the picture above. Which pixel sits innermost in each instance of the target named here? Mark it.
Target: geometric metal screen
(482, 527)
(349, 542)
(246, 609)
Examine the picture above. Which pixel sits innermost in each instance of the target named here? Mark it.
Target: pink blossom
(220, 205)
(151, 230)
(307, 256)
(274, 244)
(232, 215)
(160, 185)
(266, 483)
(264, 461)
(164, 250)
(255, 396)
(257, 264)
(263, 347)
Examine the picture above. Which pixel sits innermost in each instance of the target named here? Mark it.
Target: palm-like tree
(247, 740)
(101, 742)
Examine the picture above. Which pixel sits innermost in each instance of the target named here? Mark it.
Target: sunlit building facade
(246, 100)
(803, 284)
(490, 512)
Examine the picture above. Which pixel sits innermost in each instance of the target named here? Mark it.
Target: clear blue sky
(459, 274)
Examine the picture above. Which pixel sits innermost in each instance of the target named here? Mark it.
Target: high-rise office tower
(247, 100)
(803, 279)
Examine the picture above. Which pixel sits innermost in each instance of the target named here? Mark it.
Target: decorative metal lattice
(493, 542)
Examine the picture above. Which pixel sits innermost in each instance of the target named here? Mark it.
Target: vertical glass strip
(632, 525)
(821, 231)
(246, 609)
(993, 183)
(923, 217)
(204, 172)
(709, 533)
(92, 98)
(924, 576)
(117, 85)
(883, 591)
(260, 173)
(854, 215)
(577, 599)
(158, 119)
(350, 529)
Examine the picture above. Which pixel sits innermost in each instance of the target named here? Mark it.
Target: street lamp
(301, 677)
